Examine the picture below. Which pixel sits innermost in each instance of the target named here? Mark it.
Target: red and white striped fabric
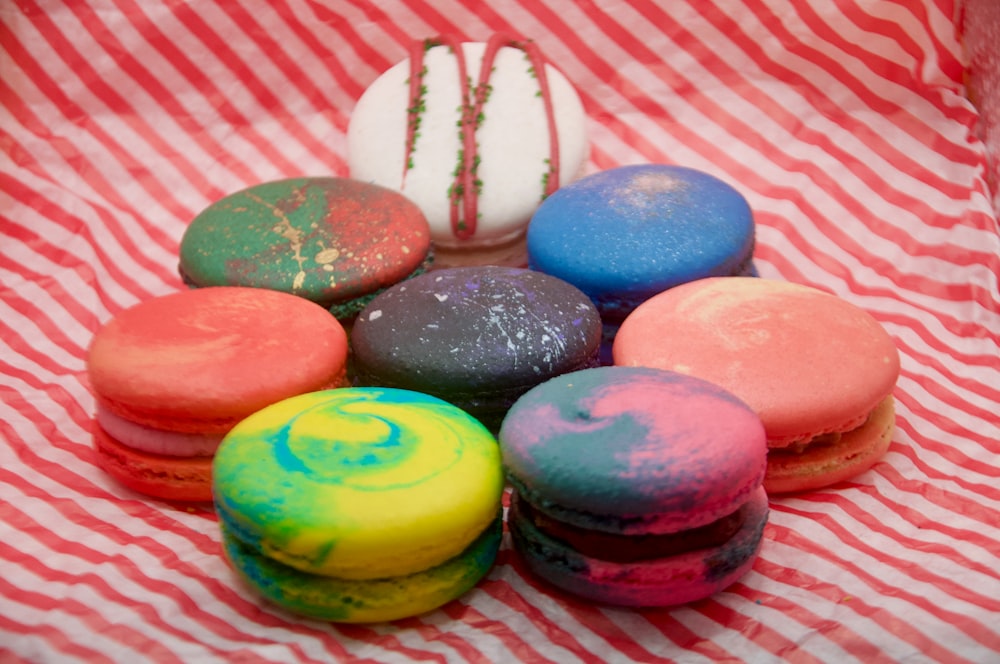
(844, 122)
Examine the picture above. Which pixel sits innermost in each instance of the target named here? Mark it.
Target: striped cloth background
(845, 124)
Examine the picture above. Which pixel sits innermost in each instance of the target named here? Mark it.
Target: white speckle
(375, 315)
(433, 326)
(441, 297)
(545, 338)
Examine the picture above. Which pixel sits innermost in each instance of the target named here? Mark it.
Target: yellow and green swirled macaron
(331, 498)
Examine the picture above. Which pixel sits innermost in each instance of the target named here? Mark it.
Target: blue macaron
(628, 233)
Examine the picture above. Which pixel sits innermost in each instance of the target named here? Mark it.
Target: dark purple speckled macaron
(478, 337)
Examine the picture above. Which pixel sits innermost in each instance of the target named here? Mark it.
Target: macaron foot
(174, 478)
(824, 464)
(369, 600)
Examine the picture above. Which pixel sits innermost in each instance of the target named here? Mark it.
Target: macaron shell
(199, 361)
(329, 240)
(657, 582)
(478, 337)
(625, 234)
(633, 450)
(822, 465)
(806, 361)
(513, 141)
(374, 600)
(358, 483)
(173, 478)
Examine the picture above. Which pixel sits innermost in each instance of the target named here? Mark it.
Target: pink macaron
(635, 486)
(819, 370)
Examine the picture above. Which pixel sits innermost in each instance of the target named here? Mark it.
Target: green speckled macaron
(334, 241)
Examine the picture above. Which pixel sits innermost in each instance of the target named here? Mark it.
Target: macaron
(477, 134)
(819, 370)
(173, 374)
(477, 337)
(626, 234)
(334, 241)
(359, 504)
(635, 486)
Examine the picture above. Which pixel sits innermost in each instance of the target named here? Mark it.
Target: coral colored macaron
(359, 504)
(625, 234)
(635, 486)
(334, 241)
(173, 374)
(819, 370)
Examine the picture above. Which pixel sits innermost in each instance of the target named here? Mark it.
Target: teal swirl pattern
(358, 483)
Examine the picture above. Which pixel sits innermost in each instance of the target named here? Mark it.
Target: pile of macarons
(599, 349)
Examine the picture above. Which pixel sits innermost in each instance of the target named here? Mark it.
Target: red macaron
(173, 374)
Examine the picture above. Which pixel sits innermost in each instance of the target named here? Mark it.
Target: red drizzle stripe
(465, 189)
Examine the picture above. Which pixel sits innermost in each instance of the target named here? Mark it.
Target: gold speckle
(294, 236)
(327, 256)
(328, 268)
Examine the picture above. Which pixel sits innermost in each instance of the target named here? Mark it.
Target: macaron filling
(620, 548)
(664, 581)
(180, 443)
(827, 439)
(156, 441)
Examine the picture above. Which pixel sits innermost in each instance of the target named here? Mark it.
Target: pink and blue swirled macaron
(359, 504)
(625, 234)
(635, 486)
